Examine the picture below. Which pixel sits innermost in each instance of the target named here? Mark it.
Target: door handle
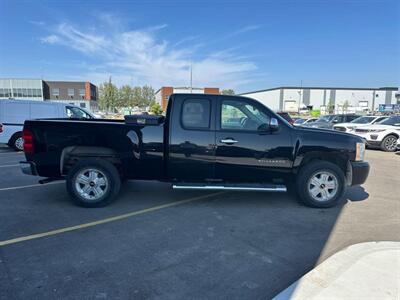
(228, 141)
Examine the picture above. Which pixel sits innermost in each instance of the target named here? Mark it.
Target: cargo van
(13, 114)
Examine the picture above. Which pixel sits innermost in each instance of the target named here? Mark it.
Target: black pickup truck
(208, 142)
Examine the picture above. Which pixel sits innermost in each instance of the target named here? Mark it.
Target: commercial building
(339, 99)
(162, 95)
(83, 94)
(21, 89)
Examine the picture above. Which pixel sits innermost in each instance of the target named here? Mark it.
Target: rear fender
(84, 151)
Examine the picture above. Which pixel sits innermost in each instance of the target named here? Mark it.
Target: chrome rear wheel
(91, 184)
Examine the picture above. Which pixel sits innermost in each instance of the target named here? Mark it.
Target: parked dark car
(207, 142)
(286, 116)
(328, 121)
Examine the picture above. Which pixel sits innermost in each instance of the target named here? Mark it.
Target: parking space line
(7, 166)
(19, 152)
(104, 221)
(28, 186)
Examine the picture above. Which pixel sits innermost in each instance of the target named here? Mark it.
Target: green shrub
(315, 113)
(156, 109)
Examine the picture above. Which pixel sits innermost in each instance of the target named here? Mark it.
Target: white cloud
(51, 39)
(142, 57)
(243, 30)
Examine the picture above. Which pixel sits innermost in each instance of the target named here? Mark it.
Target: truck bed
(138, 147)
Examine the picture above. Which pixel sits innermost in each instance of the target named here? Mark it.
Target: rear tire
(389, 143)
(93, 183)
(17, 142)
(320, 184)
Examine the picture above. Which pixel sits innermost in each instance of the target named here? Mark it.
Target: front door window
(240, 115)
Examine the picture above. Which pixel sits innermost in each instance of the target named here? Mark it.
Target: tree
(148, 96)
(228, 92)
(137, 95)
(126, 97)
(331, 106)
(156, 109)
(108, 96)
(345, 106)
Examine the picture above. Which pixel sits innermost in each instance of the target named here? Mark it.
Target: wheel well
(14, 135)
(392, 133)
(71, 155)
(340, 160)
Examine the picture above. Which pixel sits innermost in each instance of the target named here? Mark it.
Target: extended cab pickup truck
(209, 142)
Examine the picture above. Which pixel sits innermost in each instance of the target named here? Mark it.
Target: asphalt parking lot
(166, 244)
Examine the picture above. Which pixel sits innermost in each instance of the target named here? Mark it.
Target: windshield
(77, 113)
(363, 120)
(390, 121)
(326, 119)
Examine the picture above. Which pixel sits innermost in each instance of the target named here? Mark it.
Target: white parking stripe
(7, 166)
(28, 186)
(19, 152)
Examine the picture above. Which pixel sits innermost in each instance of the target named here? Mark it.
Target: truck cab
(226, 139)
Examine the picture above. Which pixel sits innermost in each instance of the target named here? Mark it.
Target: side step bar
(247, 187)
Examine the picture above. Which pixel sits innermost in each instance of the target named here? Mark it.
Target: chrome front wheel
(389, 143)
(323, 186)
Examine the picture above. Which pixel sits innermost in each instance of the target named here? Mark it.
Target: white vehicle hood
(348, 125)
(378, 126)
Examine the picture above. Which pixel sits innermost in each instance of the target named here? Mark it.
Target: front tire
(93, 183)
(320, 184)
(389, 143)
(17, 142)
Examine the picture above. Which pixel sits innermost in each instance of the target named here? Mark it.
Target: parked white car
(384, 134)
(13, 114)
(360, 121)
(301, 121)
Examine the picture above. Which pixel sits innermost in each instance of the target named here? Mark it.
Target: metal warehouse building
(294, 99)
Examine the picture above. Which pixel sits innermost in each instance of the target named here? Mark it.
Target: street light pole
(191, 78)
(300, 92)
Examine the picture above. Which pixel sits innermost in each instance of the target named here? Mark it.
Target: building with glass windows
(83, 94)
(21, 89)
(79, 93)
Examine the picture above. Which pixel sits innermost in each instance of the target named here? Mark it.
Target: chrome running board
(247, 187)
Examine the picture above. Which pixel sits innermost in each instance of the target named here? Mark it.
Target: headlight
(351, 128)
(377, 130)
(360, 151)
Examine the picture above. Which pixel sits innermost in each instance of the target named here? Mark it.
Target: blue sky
(244, 45)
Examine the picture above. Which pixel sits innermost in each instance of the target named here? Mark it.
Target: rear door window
(196, 114)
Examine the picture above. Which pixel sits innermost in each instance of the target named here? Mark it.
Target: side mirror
(263, 127)
(273, 124)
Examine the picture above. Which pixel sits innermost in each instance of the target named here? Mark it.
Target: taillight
(1, 128)
(28, 141)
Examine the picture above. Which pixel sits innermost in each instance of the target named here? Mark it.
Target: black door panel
(245, 154)
(192, 139)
